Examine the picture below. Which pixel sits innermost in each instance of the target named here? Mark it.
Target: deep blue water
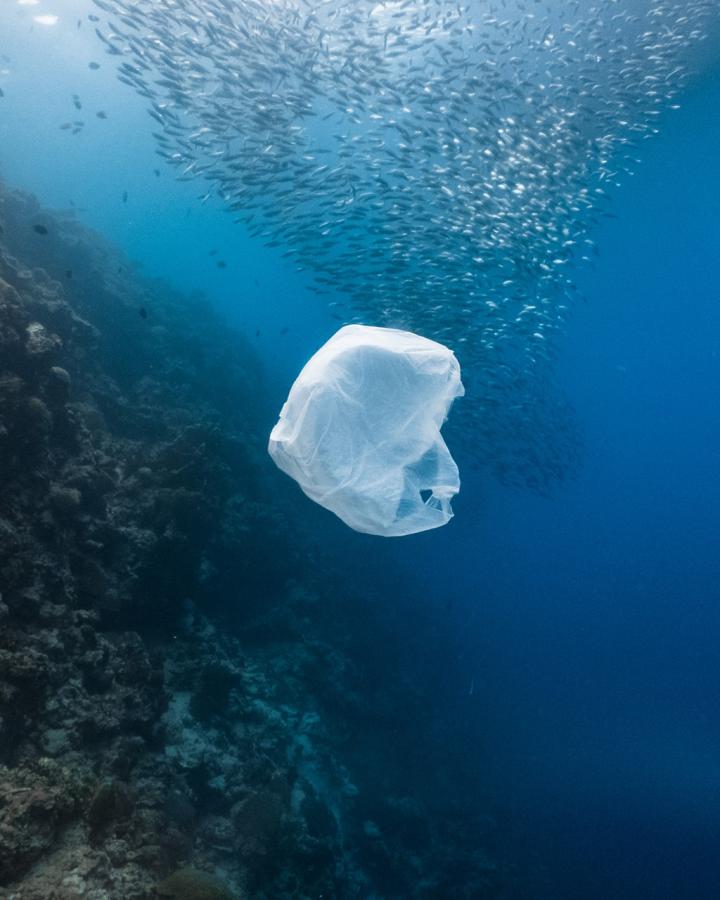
(577, 661)
(598, 610)
(586, 624)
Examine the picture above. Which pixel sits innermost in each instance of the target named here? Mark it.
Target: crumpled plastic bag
(360, 430)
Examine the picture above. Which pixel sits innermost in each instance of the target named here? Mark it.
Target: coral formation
(189, 884)
(174, 697)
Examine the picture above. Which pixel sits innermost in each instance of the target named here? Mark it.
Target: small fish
(40, 229)
(257, 333)
(93, 66)
(417, 214)
(284, 329)
(221, 264)
(68, 273)
(157, 172)
(76, 102)
(94, 18)
(65, 126)
(101, 114)
(212, 253)
(2, 92)
(124, 197)
(142, 312)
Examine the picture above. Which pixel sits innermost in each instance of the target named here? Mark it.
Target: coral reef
(179, 715)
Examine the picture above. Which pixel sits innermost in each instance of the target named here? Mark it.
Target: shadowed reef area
(186, 684)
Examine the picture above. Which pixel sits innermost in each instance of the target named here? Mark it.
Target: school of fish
(432, 164)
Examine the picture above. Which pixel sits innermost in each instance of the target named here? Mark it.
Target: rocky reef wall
(152, 743)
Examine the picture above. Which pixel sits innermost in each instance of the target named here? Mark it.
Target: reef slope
(183, 688)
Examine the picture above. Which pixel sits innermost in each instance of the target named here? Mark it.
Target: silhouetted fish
(222, 264)
(93, 65)
(40, 229)
(124, 197)
(101, 114)
(142, 312)
(68, 273)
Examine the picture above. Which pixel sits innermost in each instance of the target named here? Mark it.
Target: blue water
(582, 677)
(576, 664)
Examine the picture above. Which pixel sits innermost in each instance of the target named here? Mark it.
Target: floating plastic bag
(360, 431)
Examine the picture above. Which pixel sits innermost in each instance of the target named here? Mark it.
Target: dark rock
(109, 804)
(190, 884)
(65, 501)
(58, 385)
(212, 695)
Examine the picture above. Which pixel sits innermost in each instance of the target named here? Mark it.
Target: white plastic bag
(360, 431)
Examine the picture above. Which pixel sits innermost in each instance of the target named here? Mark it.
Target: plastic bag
(360, 431)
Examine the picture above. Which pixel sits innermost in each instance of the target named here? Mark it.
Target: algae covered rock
(191, 884)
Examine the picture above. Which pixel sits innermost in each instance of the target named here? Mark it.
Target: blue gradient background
(575, 664)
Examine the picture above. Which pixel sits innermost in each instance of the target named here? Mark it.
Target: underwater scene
(359, 449)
